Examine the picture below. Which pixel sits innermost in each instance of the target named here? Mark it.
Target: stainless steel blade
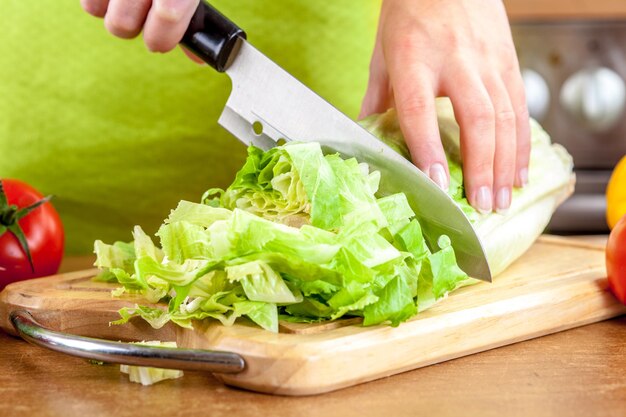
(265, 97)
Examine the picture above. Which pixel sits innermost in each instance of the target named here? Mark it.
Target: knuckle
(171, 10)
(483, 48)
(506, 117)
(508, 56)
(522, 112)
(126, 28)
(509, 68)
(405, 43)
(481, 166)
(122, 26)
(481, 113)
(121, 32)
(404, 46)
(157, 44)
(413, 104)
(455, 41)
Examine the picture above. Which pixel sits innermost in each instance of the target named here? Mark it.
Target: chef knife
(268, 106)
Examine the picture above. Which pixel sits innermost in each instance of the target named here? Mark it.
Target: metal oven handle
(125, 353)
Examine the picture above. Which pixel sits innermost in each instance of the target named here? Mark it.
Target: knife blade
(267, 106)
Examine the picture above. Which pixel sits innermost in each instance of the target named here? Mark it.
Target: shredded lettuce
(298, 235)
(146, 375)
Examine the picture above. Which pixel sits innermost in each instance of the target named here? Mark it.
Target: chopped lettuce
(147, 376)
(304, 237)
(298, 234)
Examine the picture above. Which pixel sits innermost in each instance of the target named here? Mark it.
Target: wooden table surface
(580, 372)
(565, 9)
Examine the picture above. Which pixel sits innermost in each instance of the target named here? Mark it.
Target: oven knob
(595, 97)
(537, 93)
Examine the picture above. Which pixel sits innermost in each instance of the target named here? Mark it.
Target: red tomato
(42, 229)
(616, 260)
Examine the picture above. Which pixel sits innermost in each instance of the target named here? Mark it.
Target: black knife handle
(212, 37)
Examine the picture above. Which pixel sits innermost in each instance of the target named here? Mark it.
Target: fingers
(475, 113)
(167, 22)
(125, 18)
(495, 137)
(163, 22)
(415, 103)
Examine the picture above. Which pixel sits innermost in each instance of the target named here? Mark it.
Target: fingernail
(437, 173)
(483, 200)
(503, 200)
(522, 177)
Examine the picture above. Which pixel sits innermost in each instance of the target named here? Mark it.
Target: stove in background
(575, 78)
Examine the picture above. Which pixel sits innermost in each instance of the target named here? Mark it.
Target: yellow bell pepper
(616, 194)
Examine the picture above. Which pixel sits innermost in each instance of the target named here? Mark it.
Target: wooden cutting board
(558, 284)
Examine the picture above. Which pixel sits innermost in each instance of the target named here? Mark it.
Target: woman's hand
(163, 22)
(461, 49)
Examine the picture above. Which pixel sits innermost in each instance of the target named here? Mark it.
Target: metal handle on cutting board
(213, 37)
(125, 353)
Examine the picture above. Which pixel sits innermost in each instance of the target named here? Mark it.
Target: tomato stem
(9, 221)
(8, 216)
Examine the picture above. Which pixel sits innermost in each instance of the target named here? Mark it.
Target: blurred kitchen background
(573, 59)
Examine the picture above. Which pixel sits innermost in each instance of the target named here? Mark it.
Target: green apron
(120, 135)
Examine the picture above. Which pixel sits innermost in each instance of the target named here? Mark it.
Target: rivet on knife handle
(213, 37)
(125, 353)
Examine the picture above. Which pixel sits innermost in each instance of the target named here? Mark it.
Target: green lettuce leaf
(395, 304)
(261, 283)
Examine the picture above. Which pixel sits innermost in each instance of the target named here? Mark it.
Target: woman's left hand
(461, 49)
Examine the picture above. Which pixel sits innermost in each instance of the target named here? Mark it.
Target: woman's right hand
(163, 22)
